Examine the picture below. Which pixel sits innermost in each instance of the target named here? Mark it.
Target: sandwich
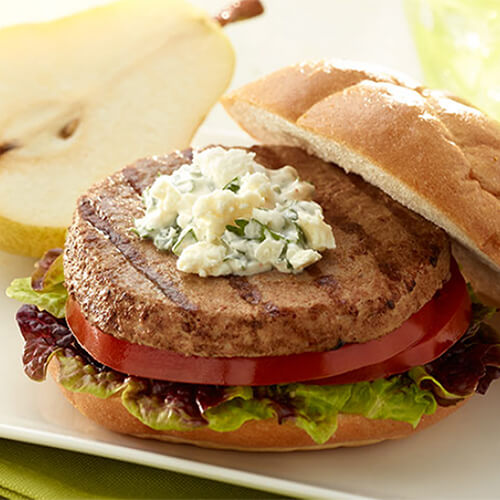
(303, 293)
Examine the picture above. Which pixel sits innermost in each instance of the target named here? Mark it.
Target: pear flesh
(83, 96)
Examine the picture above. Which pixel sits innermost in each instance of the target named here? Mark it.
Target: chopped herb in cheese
(226, 214)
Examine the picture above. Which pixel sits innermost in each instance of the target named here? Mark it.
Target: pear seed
(5, 147)
(69, 129)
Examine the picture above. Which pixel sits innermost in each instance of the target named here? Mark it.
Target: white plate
(458, 458)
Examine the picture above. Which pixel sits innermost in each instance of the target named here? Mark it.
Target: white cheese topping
(226, 214)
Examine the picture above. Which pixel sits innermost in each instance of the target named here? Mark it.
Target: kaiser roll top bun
(428, 150)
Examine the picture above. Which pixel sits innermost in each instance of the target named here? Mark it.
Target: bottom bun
(255, 435)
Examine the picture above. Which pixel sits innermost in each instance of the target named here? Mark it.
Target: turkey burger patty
(388, 263)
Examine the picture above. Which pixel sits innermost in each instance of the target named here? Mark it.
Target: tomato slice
(426, 350)
(445, 316)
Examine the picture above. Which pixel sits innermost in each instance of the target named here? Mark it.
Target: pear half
(83, 96)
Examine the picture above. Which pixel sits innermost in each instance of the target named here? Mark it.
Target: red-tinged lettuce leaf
(48, 271)
(468, 367)
(44, 335)
(77, 375)
(176, 406)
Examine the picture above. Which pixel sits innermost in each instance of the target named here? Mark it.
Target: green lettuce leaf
(395, 398)
(48, 271)
(180, 407)
(313, 408)
(468, 367)
(420, 376)
(317, 407)
(45, 288)
(155, 411)
(78, 376)
(480, 312)
(233, 414)
(52, 300)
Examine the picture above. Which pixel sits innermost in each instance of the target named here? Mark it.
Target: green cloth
(38, 472)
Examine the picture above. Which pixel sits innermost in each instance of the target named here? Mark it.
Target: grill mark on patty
(134, 177)
(435, 251)
(407, 219)
(251, 294)
(328, 282)
(331, 286)
(130, 176)
(307, 318)
(248, 292)
(371, 244)
(410, 222)
(135, 258)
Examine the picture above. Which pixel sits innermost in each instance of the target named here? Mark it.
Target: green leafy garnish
(239, 228)
(233, 185)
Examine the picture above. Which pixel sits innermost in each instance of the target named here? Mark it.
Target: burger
(214, 297)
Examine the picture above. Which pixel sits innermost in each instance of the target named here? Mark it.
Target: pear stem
(239, 11)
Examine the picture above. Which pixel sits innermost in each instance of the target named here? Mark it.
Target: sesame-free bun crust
(430, 151)
(263, 435)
